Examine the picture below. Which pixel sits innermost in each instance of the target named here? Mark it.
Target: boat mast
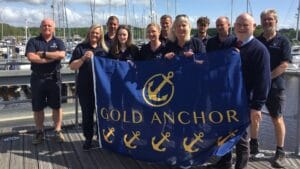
(297, 27)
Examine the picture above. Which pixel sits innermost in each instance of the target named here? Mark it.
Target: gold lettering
(104, 113)
(231, 114)
(115, 112)
(125, 117)
(155, 117)
(169, 118)
(199, 117)
(211, 115)
(137, 117)
(180, 117)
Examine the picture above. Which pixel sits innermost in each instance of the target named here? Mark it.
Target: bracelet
(44, 54)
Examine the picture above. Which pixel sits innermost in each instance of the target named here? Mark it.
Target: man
(165, 23)
(202, 26)
(45, 53)
(280, 52)
(112, 26)
(223, 39)
(257, 83)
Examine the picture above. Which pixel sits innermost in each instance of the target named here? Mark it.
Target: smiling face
(269, 22)
(95, 35)
(122, 36)
(244, 26)
(182, 30)
(47, 28)
(222, 25)
(113, 25)
(153, 33)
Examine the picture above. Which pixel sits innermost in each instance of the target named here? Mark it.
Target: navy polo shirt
(280, 50)
(194, 43)
(39, 44)
(131, 53)
(108, 41)
(85, 75)
(204, 40)
(147, 53)
(214, 43)
(256, 72)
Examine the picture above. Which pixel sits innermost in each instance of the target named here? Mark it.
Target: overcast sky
(17, 12)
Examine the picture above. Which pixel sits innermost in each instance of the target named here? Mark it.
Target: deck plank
(16, 155)
(83, 158)
(21, 153)
(5, 149)
(30, 153)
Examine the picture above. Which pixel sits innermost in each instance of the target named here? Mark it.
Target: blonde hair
(179, 19)
(101, 42)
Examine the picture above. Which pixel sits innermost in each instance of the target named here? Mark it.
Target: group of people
(264, 60)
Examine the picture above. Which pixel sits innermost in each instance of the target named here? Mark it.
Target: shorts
(46, 91)
(276, 102)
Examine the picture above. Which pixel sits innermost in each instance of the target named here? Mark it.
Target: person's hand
(189, 53)
(170, 55)
(255, 115)
(87, 55)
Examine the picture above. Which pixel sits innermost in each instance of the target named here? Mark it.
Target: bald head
(223, 25)
(47, 28)
(244, 26)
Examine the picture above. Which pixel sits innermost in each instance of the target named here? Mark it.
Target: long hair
(101, 41)
(179, 19)
(116, 45)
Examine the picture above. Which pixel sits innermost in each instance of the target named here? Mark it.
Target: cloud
(28, 1)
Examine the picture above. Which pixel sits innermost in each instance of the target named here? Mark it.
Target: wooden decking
(17, 152)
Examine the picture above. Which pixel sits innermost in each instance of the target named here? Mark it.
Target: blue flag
(178, 112)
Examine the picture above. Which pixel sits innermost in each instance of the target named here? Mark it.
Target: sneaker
(39, 137)
(58, 136)
(279, 161)
(88, 145)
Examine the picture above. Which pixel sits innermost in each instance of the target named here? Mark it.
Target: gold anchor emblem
(156, 146)
(129, 142)
(189, 147)
(221, 140)
(153, 94)
(108, 134)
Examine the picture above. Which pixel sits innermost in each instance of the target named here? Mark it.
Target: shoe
(254, 147)
(279, 161)
(254, 151)
(58, 136)
(39, 137)
(88, 145)
(218, 166)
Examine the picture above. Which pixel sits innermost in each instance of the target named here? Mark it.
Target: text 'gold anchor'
(108, 134)
(221, 140)
(189, 147)
(156, 146)
(153, 94)
(129, 142)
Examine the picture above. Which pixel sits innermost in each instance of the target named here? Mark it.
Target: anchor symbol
(156, 146)
(189, 147)
(108, 134)
(223, 140)
(153, 94)
(129, 142)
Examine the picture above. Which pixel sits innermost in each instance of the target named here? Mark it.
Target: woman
(181, 43)
(93, 45)
(154, 49)
(122, 47)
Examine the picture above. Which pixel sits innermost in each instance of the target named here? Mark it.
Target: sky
(138, 12)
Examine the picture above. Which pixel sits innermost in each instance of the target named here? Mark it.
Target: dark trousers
(87, 103)
(242, 154)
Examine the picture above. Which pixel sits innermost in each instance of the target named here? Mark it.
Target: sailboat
(295, 49)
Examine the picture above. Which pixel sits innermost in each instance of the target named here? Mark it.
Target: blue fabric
(176, 111)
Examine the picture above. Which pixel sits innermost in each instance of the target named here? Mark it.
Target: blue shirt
(214, 43)
(147, 53)
(40, 44)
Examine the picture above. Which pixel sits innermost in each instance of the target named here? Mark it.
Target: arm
(77, 63)
(57, 55)
(279, 69)
(36, 58)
